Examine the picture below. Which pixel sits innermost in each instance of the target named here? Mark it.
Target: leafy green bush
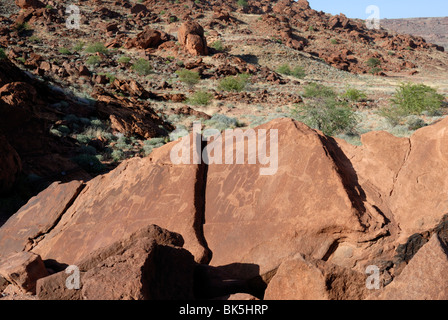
(354, 95)
(200, 98)
(188, 77)
(78, 46)
(334, 41)
(373, 62)
(412, 98)
(93, 60)
(218, 46)
(329, 116)
(118, 155)
(90, 163)
(231, 83)
(64, 51)
(142, 67)
(97, 47)
(124, 60)
(316, 90)
(242, 3)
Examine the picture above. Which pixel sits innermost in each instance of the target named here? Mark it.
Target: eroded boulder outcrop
(150, 264)
(307, 229)
(191, 37)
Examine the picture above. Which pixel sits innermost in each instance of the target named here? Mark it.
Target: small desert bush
(315, 90)
(188, 77)
(90, 163)
(354, 95)
(142, 67)
(234, 83)
(2, 54)
(222, 122)
(78, 46)
(414, 99)
(64, 51)
(297, 71)
(124, 60)
(93, 60)
(218, 46)
(200, 98)
(97, 47)
(242, 3)
(328, 115)
(373, 62)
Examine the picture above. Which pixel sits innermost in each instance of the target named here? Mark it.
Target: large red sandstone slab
(37, 217)
(304, 207)
(419, 198)
(138, 193)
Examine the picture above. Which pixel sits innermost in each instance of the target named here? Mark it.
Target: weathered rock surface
(148, 265)
(139, 192)
(191, 37)
(306, 206)
(23, 269)
(325, 213)
(424, 278)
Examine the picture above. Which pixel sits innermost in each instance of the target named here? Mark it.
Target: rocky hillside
(89, 117)
(432, 29)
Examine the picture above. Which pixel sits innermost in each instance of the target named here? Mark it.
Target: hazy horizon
(397, 9)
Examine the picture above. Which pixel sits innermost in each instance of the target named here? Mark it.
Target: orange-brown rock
(147, 265)
(424, 278)
(138, 193)
(191, 37)
(258, 219)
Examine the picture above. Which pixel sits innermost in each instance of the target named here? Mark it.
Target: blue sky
(388, 8)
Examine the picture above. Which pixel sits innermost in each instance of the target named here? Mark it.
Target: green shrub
(142, 67)
(231, 83)
(414, 123)
(315, 90)
(78, 46)
(2, 54)
(242, 3)
(188, 77)
(329, 116)
(222, 122)
(334, 41)
(64, 51)
(118, 155)
(83, 138)
(284, 69)
(93, 60)
(373, 62)
(88, 150)
(297, 72)
(354, 95)
(97, 47)
(90, 163)
(200, 98)
(124, 60)
(218, 46)
(412, 98)
(375, 70)
(22, 27)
